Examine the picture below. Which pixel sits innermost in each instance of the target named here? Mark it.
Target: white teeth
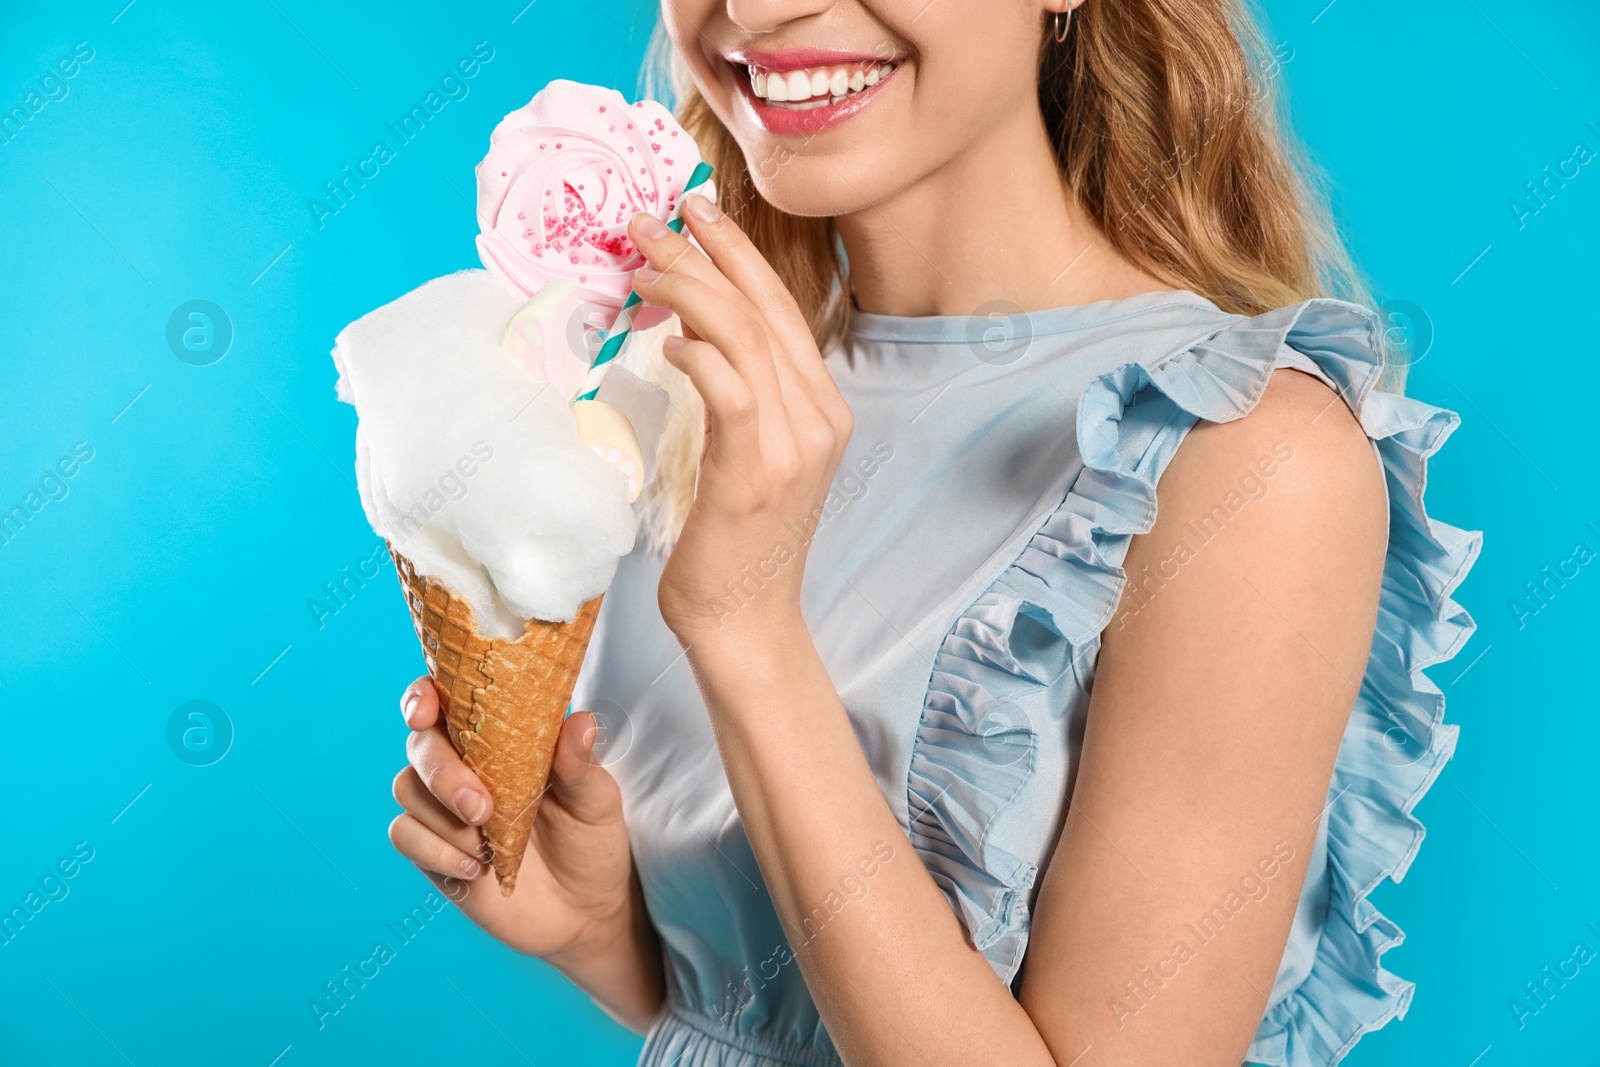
(815, 86)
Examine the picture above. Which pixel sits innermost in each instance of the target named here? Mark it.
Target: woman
(883, 633)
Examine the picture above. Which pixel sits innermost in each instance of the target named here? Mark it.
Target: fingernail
(646, 274)
(471, 868)
(650, 226)
(702, 208)
(469, 802)
(672, 344)
(409, 708)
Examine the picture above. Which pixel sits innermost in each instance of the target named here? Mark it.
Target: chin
(823, 186)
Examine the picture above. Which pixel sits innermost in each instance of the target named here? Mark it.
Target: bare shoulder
(1292, 494)
(1300, 453)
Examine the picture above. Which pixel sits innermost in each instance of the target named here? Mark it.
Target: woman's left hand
(776, 427)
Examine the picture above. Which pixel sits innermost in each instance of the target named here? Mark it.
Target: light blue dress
(957, 589)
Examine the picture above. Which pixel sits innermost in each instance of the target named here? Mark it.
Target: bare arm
(1215, 720)
(1219, 704)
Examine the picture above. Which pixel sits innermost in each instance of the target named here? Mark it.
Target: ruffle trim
(970, 761)
(683, 1038)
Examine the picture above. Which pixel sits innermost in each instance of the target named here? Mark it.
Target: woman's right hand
(577, 904)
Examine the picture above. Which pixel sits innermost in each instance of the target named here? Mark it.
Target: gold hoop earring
(1061, 28)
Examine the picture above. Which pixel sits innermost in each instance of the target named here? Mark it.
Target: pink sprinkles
(575, 230)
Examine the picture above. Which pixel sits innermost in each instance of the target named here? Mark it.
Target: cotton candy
(471, 467)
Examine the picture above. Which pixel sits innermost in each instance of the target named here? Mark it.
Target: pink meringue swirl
(563, 176)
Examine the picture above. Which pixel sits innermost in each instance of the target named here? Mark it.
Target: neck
(996, 223)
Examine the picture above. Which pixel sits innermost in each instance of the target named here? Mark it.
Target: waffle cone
(504, 701)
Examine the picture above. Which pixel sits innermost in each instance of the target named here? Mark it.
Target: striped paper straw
(611, 348)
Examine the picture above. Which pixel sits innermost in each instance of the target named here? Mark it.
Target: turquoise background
(181, 561)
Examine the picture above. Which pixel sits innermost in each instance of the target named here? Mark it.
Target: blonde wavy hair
(1169, 129)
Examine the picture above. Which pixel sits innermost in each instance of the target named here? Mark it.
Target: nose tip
(765, 16)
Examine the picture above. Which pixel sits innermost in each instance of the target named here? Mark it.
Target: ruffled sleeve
(1038, 626)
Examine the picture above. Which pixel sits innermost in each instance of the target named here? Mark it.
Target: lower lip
(808, 123)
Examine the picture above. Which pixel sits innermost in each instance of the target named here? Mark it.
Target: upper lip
(800, 58)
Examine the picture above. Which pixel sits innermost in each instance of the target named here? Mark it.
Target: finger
(456, 889)
(725, 321)
(799, 366)
(756, 418)
(730, 403)
(578, 782)
(737, 259)
(820, 440)
(672, 253)
(446, 777)
(422, 805)
(429, 851)
(739, 341)
(419, 704)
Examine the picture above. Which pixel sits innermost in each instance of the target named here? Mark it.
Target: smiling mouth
(807, 88)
